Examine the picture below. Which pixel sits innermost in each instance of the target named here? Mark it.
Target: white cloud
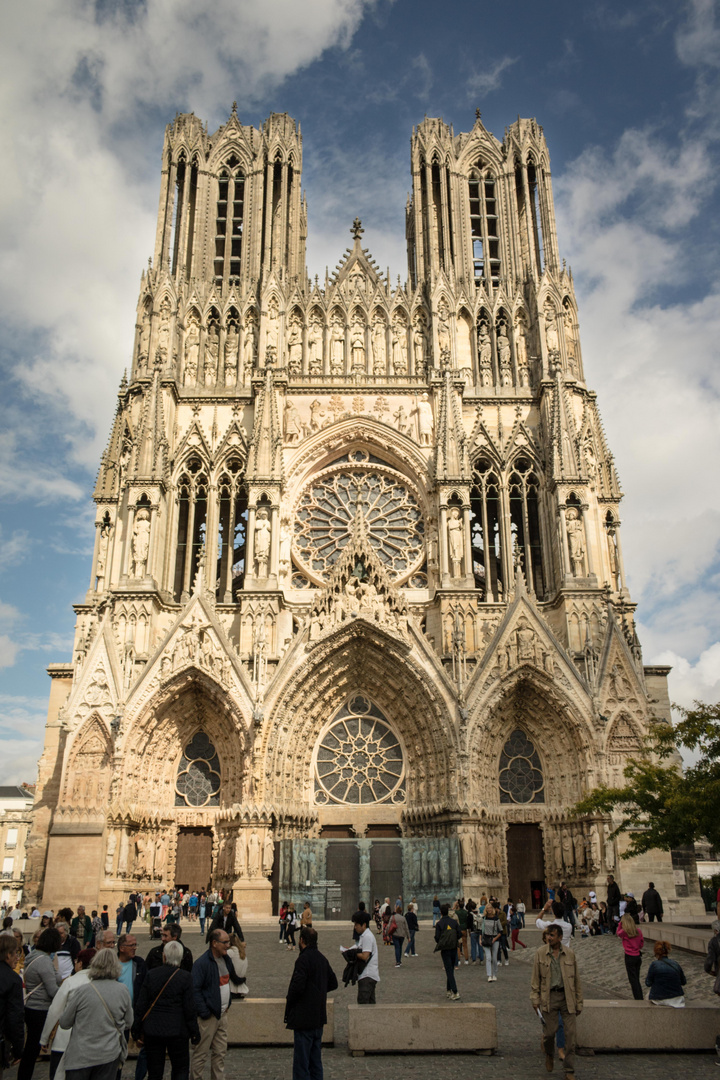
(22, 720)
(489, 79)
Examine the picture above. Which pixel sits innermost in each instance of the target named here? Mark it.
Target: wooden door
(193, 864)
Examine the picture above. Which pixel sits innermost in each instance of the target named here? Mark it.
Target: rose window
(198, 778)
(359, 759)
(327, 508)
(521, 777)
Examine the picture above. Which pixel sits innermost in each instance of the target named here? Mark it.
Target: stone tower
(357, 620)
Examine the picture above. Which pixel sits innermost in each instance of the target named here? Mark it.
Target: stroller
(155, 926)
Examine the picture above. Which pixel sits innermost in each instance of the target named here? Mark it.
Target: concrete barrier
(640, 1025)
(693, 938)
(259, 1022)
(395, 1029)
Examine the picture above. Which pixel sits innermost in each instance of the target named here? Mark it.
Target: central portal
(526, 864)
(194, 859)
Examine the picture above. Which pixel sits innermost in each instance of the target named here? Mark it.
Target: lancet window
(198, 775)
(520, 777)
(183, 223)
(232, 533)
(229, 223)
(192, 496)
(536, 215)
(505, 527)
(484, 227)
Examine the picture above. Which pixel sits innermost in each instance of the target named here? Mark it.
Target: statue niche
(88, 777)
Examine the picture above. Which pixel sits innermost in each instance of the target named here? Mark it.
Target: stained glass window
(359, 758)
(198, 778)
(521, 777)
(327, 508)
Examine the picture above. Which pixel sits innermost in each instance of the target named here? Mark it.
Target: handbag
(392, 927)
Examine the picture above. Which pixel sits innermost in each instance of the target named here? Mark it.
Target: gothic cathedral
(357, 622)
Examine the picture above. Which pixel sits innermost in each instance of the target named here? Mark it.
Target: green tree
(663, 805)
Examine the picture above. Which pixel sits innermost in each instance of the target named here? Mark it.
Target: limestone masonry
(357, 622)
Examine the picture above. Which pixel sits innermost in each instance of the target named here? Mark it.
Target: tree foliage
(663, 805)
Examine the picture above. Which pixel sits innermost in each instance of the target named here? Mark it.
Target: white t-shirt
(566, 928)
(367, 943)
(224, 984)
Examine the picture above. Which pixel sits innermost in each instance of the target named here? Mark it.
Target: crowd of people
(81, 994)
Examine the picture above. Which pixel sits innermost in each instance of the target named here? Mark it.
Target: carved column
(468, 542)
(567, 568)
(444, 568)
(588, 538)
(364, 872)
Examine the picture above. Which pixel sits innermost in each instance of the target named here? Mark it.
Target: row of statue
(141, 858)
(245, 853)
(356, 346)
(572, 850)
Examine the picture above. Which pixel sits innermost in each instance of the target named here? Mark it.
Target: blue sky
(629, 99)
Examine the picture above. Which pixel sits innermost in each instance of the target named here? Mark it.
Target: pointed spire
(451, 460)
(265, 459)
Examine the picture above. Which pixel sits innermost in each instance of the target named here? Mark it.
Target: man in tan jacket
(556, 990)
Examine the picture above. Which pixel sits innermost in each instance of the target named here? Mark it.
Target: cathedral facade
(357, 622)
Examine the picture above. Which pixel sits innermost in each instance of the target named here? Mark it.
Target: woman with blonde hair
(632, 942)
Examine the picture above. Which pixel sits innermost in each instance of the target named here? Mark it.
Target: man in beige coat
(556, 990)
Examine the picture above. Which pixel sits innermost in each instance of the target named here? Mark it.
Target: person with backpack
(447, 936)
(491, 929)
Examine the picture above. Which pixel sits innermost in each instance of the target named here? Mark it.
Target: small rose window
(198, 778)
(521, 777)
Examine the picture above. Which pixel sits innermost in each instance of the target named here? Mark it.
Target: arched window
(198, 775)
(486, 531)
(523, 489)
(192, 497)
(536, 214)
(232, 532)
(359, 759)
(520, 777)
(229, 223)
(484, 227)
(179, 208)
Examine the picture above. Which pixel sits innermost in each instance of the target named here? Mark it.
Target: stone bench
(395, 1029)
(640, 1025)
(259, 1022)
(690, 938)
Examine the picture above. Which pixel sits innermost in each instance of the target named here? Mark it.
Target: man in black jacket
(173, 932)
(306, 1005)
(613, 903)
(11, 1000)
(447, 935)
(226, 920)
(652, 903)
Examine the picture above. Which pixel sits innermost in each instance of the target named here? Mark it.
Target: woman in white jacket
(62, 1035)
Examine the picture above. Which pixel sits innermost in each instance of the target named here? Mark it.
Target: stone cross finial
(357, 229)
(234, 108)
(478, 114)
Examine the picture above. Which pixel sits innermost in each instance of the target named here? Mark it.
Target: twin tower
(357, 621)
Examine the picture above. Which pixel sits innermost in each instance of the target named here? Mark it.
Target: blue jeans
(491, 958)
(397, 942)
(202, 924)
(436, 916)
(411, 944)
(476, 949)
(307, 1062)
(448, 959)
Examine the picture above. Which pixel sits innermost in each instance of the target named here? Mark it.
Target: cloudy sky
(629, 98)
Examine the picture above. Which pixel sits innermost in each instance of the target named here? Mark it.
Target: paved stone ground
(422, 979)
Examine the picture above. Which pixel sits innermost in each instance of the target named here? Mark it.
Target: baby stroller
(155, 926)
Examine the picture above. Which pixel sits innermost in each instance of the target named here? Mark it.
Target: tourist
(42, 980)
(632, 940)
(613, 903)
(515, 928)
(413, 926)
(398, 929)
(226, 920)
(552, 915)
(462, 918)
(237, 952)
(491, 930)
(211, 976)
(133, 971)
(106, 940)
(11, 1004)
(306, 916)
(81, 927)
(97, 1014)
(712, 960)
(97, 928)
(652, 903)
(306, 1005)
(368, 954)
(119, 917)
(631, 907)
(665, 978)
(68, 952)
(436, 913)
(193, 907)
(165, 1015)
(46, 919)
(202, 912)
(503, 953)
(292, 923)
(155, 959)
(474, 926)
(447, 941)
(105, 917)
(281, 920)
(520, 908)
(556, 991)
(60, 1042)
(603, 922)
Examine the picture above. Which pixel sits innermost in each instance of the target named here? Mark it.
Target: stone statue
(272, 332)
(232, 345)
(268, 853)
(576, 541)
(140, 544)
(337, 347)
(444, 862)
(579, 846)
(551, 333)
(425, 420)
(100, 570)
(420, 343)
(399, 346)
(609, 848)
(456, 542)
(570, 341)
(110, 854)
(485, 354)
(521, 353)
(144, 341)
(262, 543)
(192, 348)
(315, 346)
(240, 854)
(160, 858)
(164, 331)
(253, 854)
(567, 850)
(285, 547)
(443, 330)
(294, 347)
(293, 423)
(212, 352)
(378, 346)
(250, 343)
(357, 347)
(503, 347)
(525, 642)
